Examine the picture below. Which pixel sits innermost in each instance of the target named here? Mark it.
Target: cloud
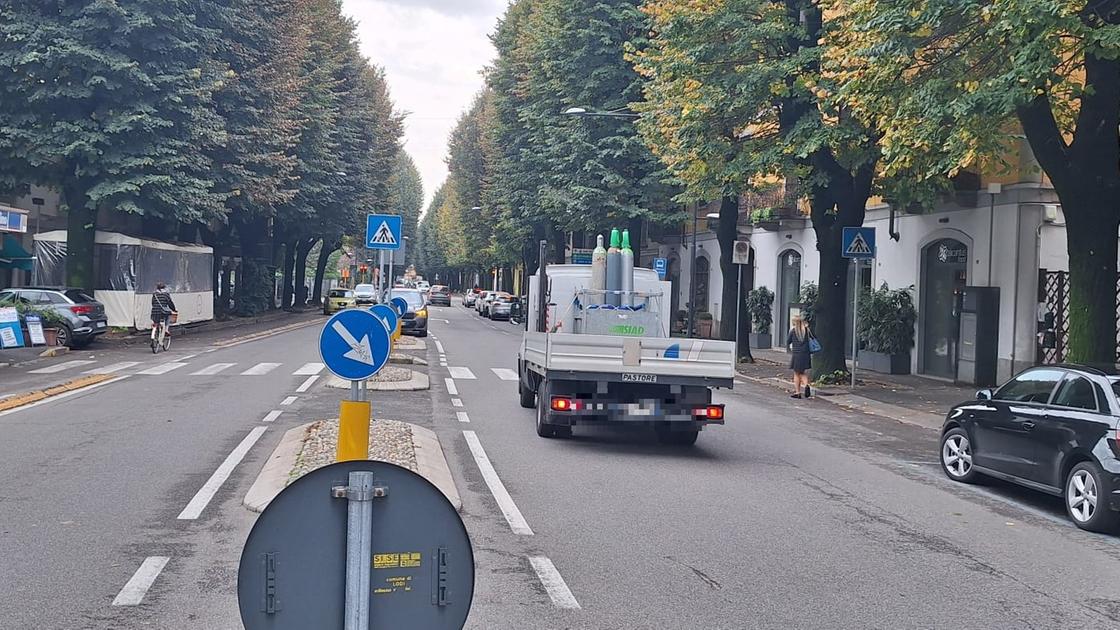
(433, 52)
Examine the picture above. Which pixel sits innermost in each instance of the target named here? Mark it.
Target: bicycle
(161, 335)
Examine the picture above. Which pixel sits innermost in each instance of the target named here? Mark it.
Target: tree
(110, 102)
(947, 81)
(735, 100)
(406, 198)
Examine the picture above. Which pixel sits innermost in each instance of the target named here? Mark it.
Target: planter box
(884, 363)
(762, 341)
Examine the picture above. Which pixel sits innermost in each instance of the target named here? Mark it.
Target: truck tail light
(560, 403)
(711, 412)
(81, 309)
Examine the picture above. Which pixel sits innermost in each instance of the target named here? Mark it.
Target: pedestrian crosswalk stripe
(308, 369)
(260, 369)
(59, 367)
(162, 368)
(464, 373)
(116, 367)
(213, 369)
(505, 374)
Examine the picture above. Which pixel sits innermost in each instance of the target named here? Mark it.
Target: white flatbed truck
(575, 375)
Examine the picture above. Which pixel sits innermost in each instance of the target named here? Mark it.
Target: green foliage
(49, 316)
(836, 377)
(760, 303)
(406, 198)
(808, 298)
(886, 320)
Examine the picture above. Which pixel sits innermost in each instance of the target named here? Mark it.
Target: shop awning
(13, 255)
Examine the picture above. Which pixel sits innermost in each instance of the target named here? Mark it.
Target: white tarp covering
(127, 270)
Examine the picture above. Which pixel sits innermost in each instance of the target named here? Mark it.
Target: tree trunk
(1091, 235)
(287, 293)
(321, 269)
(726, 235)
(829, 312)
(302, 250)
(635, 227)
(226, 289)
(254, 279)
(81, 228)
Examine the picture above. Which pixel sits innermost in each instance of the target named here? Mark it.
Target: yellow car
(337, 300)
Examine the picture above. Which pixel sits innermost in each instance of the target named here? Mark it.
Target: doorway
(944, 275)
(789, 289)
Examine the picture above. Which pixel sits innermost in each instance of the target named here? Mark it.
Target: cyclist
(162, 305)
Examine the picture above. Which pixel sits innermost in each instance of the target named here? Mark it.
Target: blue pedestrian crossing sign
(388, 316)
(383, 231)
(858, 242)
(354, 344)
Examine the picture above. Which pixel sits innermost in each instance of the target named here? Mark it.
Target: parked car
(415, 320)
(469, 299)
(84, 317)
(365, 294)
(1052, 428)
(338, 299)
(480, 304)
(439, 295)
(500, 307)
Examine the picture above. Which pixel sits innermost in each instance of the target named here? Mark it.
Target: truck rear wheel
(677, 438)
(528, 398)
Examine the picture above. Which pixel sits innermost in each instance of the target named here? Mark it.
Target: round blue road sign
(388, 316)
(401, 304)
(354, 344)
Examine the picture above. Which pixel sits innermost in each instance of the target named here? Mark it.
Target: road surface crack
(704, 577)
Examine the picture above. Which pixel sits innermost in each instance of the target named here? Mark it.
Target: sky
(433, 53)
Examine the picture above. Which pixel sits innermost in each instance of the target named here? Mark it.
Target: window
(78, 296)
(1076, 392)
(56, 298)
(341, 293)
(1034, 386)
(414, 299)
(7, 297)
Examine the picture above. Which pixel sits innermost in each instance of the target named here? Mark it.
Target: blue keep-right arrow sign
(354, 344)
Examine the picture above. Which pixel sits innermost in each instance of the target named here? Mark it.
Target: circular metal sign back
(388, 316)
(293, 568)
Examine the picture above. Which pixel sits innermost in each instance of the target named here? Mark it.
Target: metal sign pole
(855, 322)
(738, 307)
(359, 545)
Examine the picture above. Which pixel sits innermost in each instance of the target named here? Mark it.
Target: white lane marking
(64, 395)
(289, 400)
(464, 373)
(456, 402)
(163, 368)
(309, 368)
(553, 583)
(137, 586)
(497, 488)
(439, 347)
(272, 415)
(188, 357)
(211, 370)
(462, 416)
(214, 483)
(505, 374)
(306, 385)
(51, 369)
(260, 369)
(116, 367)
(451, 389)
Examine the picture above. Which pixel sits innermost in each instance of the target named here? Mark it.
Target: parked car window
(413, 297)
(32, 297)
(56, 298)
(1076, 392)
(7, 297)
(78, 296)
(341, 293)
(1034, 386)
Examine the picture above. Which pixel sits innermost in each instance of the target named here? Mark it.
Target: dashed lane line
(451, 388)
(553, 583)
(306, 385)
(289, 400)
(214, 483)
(462, 416)
(439, 347)
(456, 402)
(505, 502)
(272, 415)
(137, 586)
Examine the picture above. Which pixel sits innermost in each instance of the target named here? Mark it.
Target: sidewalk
(905, 398)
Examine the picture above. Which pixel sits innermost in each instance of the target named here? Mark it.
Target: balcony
(773, 208)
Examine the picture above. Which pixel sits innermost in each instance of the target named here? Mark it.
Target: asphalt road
(795, 515)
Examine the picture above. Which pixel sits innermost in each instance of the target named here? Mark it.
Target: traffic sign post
(354, 345)
(357, 545)
(858, 244)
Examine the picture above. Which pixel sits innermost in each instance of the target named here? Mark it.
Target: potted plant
(50, 319)
(704, 324)
(760, 303)
(886, 329)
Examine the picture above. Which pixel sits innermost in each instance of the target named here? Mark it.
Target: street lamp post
(591, 113)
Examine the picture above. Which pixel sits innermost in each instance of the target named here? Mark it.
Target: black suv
(84, 316)
(1052, 428)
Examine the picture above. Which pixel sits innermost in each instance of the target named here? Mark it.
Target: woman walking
(801, 361)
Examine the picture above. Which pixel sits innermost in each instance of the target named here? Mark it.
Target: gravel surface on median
(389, 441)
(390, 374)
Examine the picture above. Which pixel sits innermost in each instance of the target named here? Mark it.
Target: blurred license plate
(100, 324)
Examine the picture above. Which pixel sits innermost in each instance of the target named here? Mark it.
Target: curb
(855, 402)
(19, 400)
(274, 475)
(418, 382)
(236, 341)
(432, 464)
(416, 345)
(54, 352)
(406, 359)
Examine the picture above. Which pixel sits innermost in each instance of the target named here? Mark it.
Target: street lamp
(621, 112)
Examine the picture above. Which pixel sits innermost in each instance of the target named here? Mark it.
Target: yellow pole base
(397, 332)
(353, 431)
